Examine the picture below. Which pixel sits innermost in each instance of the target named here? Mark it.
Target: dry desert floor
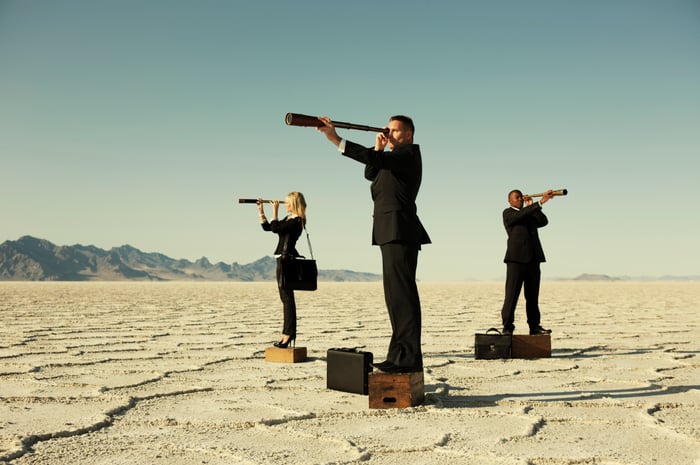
(175, 373)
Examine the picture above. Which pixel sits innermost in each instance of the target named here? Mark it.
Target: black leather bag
(348, 370)
(298, 273)
(492, 346)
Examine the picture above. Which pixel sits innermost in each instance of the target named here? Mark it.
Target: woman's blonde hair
(297, 204)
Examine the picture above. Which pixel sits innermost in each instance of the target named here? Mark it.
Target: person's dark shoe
(380, 365)
(507, 332)
(539, 330)
(391, 368)
(283, 344)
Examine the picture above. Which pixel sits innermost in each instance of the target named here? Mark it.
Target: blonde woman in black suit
(288, 230)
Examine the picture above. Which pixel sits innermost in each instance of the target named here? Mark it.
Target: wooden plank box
(288, 355)
(526, 346)
(395, 390)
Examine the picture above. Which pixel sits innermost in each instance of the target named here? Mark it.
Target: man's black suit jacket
(523, 241)
(396, 178)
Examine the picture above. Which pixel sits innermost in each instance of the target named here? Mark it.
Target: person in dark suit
(523, 257)
(288, 229)
(396, 177)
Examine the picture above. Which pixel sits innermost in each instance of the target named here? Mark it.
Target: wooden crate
(288, 355)
(395, 390)
(526, 346)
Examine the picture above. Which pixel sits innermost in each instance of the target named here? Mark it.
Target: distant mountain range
(605, 277)
(32, 259)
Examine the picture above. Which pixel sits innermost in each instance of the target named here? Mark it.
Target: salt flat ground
(174, 373)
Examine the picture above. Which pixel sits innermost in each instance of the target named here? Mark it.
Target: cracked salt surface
(174, 373)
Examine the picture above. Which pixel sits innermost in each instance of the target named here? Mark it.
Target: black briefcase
(492, 345)
(347, 370)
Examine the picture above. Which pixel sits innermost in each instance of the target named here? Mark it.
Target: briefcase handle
(493, 329)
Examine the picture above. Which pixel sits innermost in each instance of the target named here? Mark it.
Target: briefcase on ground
(347, 370)
(492, 345)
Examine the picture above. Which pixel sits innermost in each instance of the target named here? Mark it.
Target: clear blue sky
(143, 122)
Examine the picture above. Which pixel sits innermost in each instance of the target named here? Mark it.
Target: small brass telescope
(297, 119)
(256, 201)
(556, 192)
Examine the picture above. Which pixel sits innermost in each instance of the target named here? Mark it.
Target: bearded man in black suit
(523, 257)
(396, 178)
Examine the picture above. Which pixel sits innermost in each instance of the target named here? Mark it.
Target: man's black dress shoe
(507, 332)
(380, 365)
(540, 330)
(391, 368)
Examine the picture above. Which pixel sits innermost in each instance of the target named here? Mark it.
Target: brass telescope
(556, 192)
(296, 119)
(256, 201)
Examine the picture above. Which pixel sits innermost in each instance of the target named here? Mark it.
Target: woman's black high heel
(285, 344)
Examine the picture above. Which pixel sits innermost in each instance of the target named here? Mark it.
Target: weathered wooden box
(288, 355)
(396, 390)
(526, 346)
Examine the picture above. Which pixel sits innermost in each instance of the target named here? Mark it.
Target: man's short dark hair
(513, 192)
(405, 120)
